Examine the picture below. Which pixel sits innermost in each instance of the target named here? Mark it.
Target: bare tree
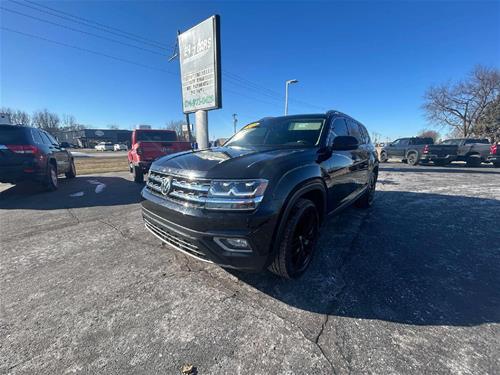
(46, 120)
(489, 123)
(17, 117)
(460, 105)
(428, 133)
(177, 127)
(68, 121)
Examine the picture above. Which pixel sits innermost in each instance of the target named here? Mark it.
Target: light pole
(235, 120)
(287, 83)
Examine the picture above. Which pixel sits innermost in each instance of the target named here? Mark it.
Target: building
(88, 138)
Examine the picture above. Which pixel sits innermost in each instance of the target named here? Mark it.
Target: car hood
(232, 162)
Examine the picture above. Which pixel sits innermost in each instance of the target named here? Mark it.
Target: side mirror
(344, 143)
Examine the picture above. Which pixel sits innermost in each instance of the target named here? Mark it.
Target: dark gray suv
(31, 154)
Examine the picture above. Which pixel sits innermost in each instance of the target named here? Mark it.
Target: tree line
(469, 107)
(44, 119)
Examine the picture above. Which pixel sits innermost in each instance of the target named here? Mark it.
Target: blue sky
(372, 60)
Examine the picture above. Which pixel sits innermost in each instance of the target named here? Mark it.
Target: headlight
(235, 194)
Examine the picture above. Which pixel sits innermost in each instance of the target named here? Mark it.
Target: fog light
(233, 244)
(239, 243)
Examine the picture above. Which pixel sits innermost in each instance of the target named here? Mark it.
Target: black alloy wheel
(297, 246)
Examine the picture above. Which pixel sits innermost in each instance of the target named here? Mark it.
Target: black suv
(259, 200)
(408, 150)
(31, 154)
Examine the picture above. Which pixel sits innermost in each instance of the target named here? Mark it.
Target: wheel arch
(313, 189)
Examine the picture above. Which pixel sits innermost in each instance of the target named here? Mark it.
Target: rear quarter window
(14, 135)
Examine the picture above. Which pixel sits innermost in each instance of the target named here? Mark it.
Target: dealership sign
(199, 50)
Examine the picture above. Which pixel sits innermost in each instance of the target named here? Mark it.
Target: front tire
(72, 170)
(383, 157)
(299, 241)
(496, 165)
(138, 174)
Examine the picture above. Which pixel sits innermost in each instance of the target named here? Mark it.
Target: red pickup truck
(149, 145)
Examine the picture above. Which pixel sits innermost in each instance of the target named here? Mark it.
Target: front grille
(174, 239)
(179, 189)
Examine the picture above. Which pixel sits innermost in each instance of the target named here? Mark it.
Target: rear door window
(364, 132)
(36, 136)
(13, 135)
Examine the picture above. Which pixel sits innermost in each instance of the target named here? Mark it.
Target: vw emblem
(166, 184)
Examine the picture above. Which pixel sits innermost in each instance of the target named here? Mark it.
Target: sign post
(199, 56)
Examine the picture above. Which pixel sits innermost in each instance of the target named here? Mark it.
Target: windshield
(156, 136)
(278, 132)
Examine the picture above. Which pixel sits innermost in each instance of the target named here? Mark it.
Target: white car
(104, 146)
(120, 147)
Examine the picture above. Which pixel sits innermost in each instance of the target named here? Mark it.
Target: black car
(259, 200)
(31, 154)
(408, 150)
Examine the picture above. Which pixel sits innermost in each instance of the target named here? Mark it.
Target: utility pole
(287, 83)
(235, 121)
(201, 118)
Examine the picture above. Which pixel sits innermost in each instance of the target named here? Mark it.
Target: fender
(290, 188)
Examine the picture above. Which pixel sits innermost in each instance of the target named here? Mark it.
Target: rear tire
(51, 181)
(412, 158)
(72, 170)
(473, 161)
(496, 165)
(299, 241)
(366, 200)
(138, 174)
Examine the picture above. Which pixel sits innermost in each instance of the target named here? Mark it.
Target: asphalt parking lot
(410, 286)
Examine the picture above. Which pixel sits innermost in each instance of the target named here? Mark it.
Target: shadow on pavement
(87, 191)
(419, 259)
(451, 169)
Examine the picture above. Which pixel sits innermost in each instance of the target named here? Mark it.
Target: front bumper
(192, 231)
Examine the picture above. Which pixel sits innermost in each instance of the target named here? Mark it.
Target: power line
(82, 31)
(88, 23)
(137, 38)
(87, 50)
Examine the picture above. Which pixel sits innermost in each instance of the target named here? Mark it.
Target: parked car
(31, 154)
(259, 200)
(474, 151)
(494, 156)
(104, 146)
(406, 149)
(148, 145)
(120, 147)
